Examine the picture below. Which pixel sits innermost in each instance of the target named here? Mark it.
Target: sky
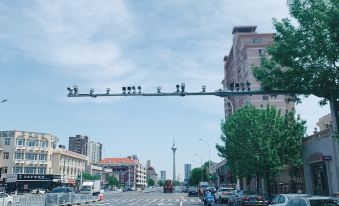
(46, 46)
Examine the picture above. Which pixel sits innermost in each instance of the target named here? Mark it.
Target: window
(4, 170)
(43, 157)
(41, 170)
(30, 170)
(6, 155)
(7, 141)
(276, 199)
(20, 142)
(44, 144)
(32, 143)
(302, 203)
(257, 41)
(19, 156)
(31, 156)
(295, 202)
(265, 97)
(17, 170)
(262, 52)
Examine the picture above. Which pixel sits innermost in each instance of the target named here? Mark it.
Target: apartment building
(26, 152)
(246, 51)
(78, 144)
(94, 151)
(68, 164)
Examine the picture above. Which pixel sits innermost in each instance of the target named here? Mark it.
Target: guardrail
(53, 199)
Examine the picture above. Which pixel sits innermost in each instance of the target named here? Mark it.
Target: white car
(223, 193)
(6, 199)
(312, 201)
(282, 199)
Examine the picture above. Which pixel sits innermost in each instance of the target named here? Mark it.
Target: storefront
(321, 164)
(27, 182)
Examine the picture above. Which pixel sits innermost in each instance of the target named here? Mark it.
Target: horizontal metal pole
(216, 93)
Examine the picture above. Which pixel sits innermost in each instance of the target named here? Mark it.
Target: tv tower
(174, 148)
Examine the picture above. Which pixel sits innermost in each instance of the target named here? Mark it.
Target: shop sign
(31, 177)
(10, 177)
(327, 158)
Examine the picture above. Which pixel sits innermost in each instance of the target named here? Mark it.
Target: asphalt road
(148, 199)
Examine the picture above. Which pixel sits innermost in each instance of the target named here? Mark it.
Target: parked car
(248, 198)
(223, 194)
(6, 199)
(282, 199)
(313, 201)
(192, 191)
(38, 191)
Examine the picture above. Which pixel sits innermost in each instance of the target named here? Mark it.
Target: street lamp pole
(202, 177)
(209, 154)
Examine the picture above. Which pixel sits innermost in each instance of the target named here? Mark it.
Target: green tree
(87, 176)
(113, 181)
(150, 182)
(257, 142)
(161, 183)
(195, 176)
(305, 56)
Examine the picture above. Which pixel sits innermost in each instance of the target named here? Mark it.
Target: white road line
(150, 202)
(177, 200)
(181, 203)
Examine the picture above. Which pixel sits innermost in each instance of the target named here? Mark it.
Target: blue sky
(46, 46)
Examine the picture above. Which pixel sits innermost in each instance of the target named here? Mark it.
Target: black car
(249, 198)
(192, 192)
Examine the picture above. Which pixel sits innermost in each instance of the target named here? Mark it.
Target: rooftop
(117, 160)
(244, 29)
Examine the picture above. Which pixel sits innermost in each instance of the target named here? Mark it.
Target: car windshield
(85, 188)
(192, 189)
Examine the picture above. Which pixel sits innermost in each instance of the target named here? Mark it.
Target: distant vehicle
(90, 187)
(247, 198)
(192, 192)
(6, 199)
(38, 191)
(168, 186)
(203, 184)
(313, 201)
(223, 194)
(282, 199)
(184, 189)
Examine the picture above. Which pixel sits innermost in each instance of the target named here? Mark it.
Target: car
(38, 191)
(192, 192)
(313, 201)
(6, 199)
(282, 199)
(223, 194)
(184, 189)
(248, 198)
(63, 194)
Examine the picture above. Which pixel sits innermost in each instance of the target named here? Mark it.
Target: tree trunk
(257, 181)
(268, 187)
(334, 105)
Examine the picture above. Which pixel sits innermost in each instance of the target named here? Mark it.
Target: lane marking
(150, 202)
(181, 203)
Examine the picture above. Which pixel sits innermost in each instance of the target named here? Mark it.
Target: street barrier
(52, 199)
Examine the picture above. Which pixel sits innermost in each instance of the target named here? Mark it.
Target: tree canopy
(150, 182)
(113, 181)
(259, 141)
(305, 55)
(87, 176)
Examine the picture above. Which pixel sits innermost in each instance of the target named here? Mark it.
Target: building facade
(246, 51)
(162, 175)
(78, 144)
(69, 165)
(26, 152)
(321, 160)
(94, 151)
(130, 172)
(151, 173)
(187, 168)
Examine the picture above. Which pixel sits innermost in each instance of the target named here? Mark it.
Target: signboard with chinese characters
(31, 177)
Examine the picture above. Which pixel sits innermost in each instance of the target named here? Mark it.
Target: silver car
(282, 199)
(313, 201)
(6, 199)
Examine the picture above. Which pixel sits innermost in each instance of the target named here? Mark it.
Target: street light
(209, 154)
(202, 177)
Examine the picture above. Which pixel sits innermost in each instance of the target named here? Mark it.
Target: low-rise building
(321, 160)
(69, 165)
(130, 172)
